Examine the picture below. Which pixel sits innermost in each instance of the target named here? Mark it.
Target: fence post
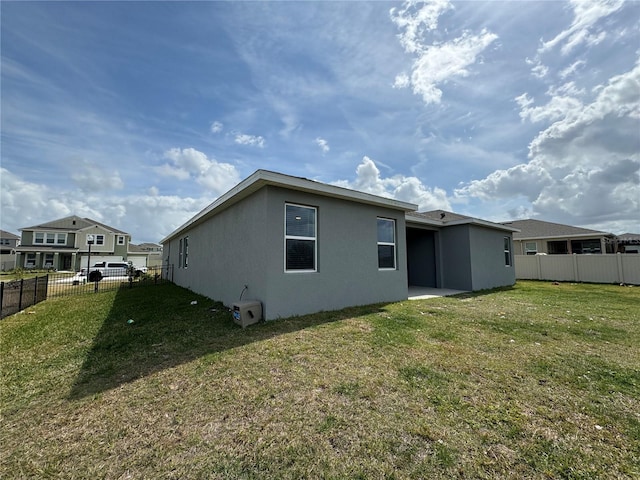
(1, 295)
(35, 290)
(620, 269)
(20, 296)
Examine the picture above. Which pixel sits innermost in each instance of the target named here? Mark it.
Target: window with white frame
(386, 244)
(48, 259)
(185, 257)
(300, 238)
(507, 251)
(180, 254)
(99, 239)
(120, 239)
(30, 260)
(530, 248)
(49, 238)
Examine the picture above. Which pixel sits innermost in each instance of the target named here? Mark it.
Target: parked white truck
(112, 269)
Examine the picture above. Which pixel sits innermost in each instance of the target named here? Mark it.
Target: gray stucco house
(300, 246)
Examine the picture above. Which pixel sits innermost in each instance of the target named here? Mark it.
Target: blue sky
(139, 114)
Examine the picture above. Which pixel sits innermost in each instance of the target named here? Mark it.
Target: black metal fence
(20, 294)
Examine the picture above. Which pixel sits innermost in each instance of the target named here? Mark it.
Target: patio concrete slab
(420, 293)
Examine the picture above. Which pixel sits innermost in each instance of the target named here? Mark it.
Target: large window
(557, 247)
(507, 251)
(50, 238)
(386, 244)
(591, 245)
(300, 238)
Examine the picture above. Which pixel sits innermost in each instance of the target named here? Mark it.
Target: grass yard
(538, 381)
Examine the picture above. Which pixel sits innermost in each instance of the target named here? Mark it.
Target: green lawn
(537, 381)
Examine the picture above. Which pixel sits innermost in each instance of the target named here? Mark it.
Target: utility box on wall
(247, 312)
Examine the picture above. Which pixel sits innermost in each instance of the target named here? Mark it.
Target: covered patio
(421, 293)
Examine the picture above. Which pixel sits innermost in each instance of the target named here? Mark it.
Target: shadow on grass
(152, 329)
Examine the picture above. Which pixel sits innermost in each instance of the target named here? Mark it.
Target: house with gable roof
(63, 244)
(300, 246)
(537, 236)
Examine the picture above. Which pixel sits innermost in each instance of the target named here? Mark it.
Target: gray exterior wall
(244, 245)
(487, 259)
(455, 258)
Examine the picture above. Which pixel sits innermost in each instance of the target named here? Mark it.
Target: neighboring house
(301, 246)
(536, 236)
(628, 243)
(153, 252)
(8, 242)
(150, 247)
(62, 244)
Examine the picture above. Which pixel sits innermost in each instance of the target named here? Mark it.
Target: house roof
(532, 229)
(8, 235)
(262, 178)
(629, 238)
(443, 218)
(72, 223)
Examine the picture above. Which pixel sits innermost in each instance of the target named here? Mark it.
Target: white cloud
(587, 13)
(323, 144)
(91, 177)
(435, 63)
(190, 163)
(584, 167)
(415, 22)
(216, 127)
(400, 187)
(146, 217)
(252, 140)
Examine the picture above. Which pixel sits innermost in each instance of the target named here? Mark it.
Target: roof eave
(262, 178)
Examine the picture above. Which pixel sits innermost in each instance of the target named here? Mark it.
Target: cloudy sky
(140, 114)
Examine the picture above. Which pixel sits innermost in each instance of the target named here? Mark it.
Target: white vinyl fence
(609, 268)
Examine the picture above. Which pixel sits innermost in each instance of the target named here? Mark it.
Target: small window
(180, 254)
(61, 239)
(386, 244)
(48, 260)
(99, 239)
(120, 239)
(50, 238)
(300, 238)
(530, 248)
(186, 252)
(507, 251)
(39, 238)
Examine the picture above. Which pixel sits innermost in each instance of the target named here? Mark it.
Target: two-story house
(64, 244)
(8, 242)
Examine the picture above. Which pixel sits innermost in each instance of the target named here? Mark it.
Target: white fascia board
(563, 237)
(464, 221)
(262, 178)
(410, 219)
(483, 223)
